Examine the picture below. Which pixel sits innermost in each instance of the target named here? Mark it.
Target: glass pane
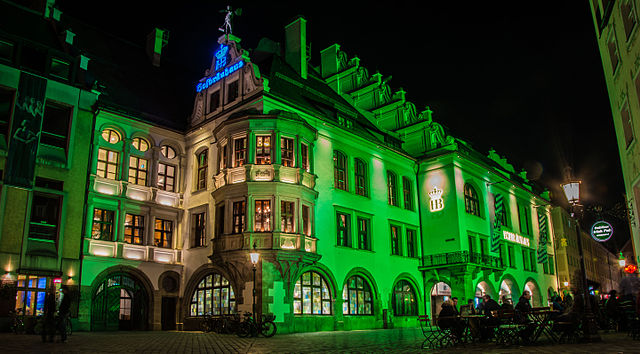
(209, 279)
(316, 279)
(306, 278)
(345, 293)
(42, 283)
(352, 302)
(297, 291)
(367, 309)
(40, 303)
(225, 300)
(360, 302)
(194, 309)
(217, 280)
(325, 291)
(306, 299)
(297, 306)
(326, 307)
(224, 280)
(317, 301)
(207, 304)
(367, 296)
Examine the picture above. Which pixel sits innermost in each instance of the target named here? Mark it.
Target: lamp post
(589, 327)
(255, 257)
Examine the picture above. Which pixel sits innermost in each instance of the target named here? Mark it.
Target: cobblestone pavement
(370, 341)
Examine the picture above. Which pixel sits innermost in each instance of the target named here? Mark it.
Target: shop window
(263, 150)
(286, 216)
(102, 228)
(168, 152)
(199, 223)
(6, 109)
(134, 229)
(287, 152)
(30, 294)
(404, 300)
(304, 156)
(55, 125)
(339, 170)
(238, 217)
(627, 124)
(213, 296)
(111, 136)
(629, 17)
(471, 201)
(343, 228)
(163, 233)
(140, 144)
(137, 171)
(59, 68)
(214, 101)
(411, 244)
(364, 233)
(45, 215)
(107, 166)
(233, 90)
(356, 297)
(407, 194)
(311, 295)
(361, 177)
(166, 177)
(202, 170)
(392, 189)
(395, 241)
(263, 216)
(239, 151)
(306, 220)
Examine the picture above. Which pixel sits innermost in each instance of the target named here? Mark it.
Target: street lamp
(590, 328)
(255, 257)
(621, 261)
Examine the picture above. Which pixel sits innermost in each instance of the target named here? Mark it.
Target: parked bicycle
(17, 321)
(249, 327)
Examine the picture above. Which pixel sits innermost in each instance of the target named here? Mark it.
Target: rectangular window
(364, 233)
(239, 151)
(627, 124)
(203, 163)
(286, 216)
(545, 267)
(238, 217)
(134, 229)
(214, 101)
(263, 216)
(232, 94)
(287, 152)
(6, 50)
(220, 219)
(472, 244)
(551, 266)
(137, 171)
(304, 156)
(395, 241)
(484, 248)
(306, 220)
(411, 244)
(102, 228)
(6, 109)
(263, 150)
(223, 157)
(59, 68)
(526, 259)
(45, 214)
(55, 125)
(512, 256)
(30, 293)
(532, 260)
(391, 188)
(361, 177)
(503, 255)
(166, 177)
(343, 228)
(163, 234)
(628, 13)
(108, 162)
(200, 230)
(407, 193)
(34, 59)
(613, 52)
(524, 218)
(339, 170)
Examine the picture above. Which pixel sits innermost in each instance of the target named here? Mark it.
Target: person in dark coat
(523, 307)
(506, 303)
(447, 318)
(63, 313)
(489, 322)
(48, 317)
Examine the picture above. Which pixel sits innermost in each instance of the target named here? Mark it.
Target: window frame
(412, 244)
(396, 242)
(287, 216)
(263, 151)
(287, 151)
(135, 230)
(343, 232)
(340, 167)
(262, 213)
(407, 193)
(346, 296)
(363, 235)
(67, 111)
(471, 200)
(209, 288)
(107, 163)
(392, 188)
(238, 216)
(139, 140)
(413, 307)
(202, 169)
(239, 151)
(304, 157)
(165, 175)
(103, 224)
(360, 177)
(299, 290)
(200, 229)
(137, 170)
(163, 236)
(55, 199)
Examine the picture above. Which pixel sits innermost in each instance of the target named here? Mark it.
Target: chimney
(329, 60)
(296, 45)
(156, 40)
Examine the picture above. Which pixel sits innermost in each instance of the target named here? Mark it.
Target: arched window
(471, 202)
(311, 295)
(356, 297)
(202, 169)
(168, 151)
(392, 188)
(213, 296)
(112, 136)
(140, 144)
(404, 299)
(361, 177)
(340, 170)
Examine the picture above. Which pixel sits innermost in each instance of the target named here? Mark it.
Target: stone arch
(435, 301)
(199, 274)
(485, 287)
(322, 270)
(365, 274)
(514, 288)
(536, 295)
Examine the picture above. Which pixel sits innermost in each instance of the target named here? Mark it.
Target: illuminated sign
(436, 203)
(221, 61)
(601, 231)
(513, 237)
(631, 268)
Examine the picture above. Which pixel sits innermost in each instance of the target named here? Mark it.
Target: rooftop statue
(226, 26)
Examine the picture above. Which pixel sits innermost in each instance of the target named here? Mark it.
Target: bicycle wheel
(268, 329)
(244, 330)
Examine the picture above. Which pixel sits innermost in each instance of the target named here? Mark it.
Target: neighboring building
(602, 267)
(45, 118)
(616, 26)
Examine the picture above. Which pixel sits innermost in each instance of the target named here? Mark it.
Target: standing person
(63, 313)
(48, 317)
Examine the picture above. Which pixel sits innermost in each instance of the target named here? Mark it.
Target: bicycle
(249, 327)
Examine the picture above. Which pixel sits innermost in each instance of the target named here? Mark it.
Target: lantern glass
(622, 262)
(255, 256)
(572, 192)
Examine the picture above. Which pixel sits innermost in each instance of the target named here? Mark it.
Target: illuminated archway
(536, 297)
(440, 292)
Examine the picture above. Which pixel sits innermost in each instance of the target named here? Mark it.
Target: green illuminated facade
(364, 211)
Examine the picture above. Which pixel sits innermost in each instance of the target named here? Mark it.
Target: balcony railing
(443, 260)
(266, 240)
(266, 173)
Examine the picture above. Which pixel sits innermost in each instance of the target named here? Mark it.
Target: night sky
(525, 78)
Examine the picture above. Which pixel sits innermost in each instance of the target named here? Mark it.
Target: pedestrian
(48, 316)
(63, 313)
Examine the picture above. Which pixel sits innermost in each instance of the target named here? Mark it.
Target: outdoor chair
(431, 334)
(446, 337)
(507, 331)
(569, 331)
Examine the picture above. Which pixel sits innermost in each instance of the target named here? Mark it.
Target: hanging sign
(436, 203)
(601, 231)
(513, 237)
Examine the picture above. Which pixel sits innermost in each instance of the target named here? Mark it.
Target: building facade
(616, 28)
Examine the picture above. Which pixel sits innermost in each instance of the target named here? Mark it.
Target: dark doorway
(119, 303)
(168, 316)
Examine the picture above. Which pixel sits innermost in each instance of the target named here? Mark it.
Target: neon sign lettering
(221, 57)
(219, 76)
(513, 237)
(436, 203)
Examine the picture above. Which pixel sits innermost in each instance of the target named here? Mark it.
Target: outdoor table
(542, 319)
(467, 328)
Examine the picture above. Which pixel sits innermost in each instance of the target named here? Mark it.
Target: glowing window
(311, 295)
(404, 300)
(356, 297)
(112, 136)
(140, 144)
(213, 296)
(168, 152)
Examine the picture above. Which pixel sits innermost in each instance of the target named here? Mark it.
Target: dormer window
(214, 101)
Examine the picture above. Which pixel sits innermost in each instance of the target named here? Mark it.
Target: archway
(534, 290)
(483, 288)
(120, 302)
(440, 292)
(507, 290)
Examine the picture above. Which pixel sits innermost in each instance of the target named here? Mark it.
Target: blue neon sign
(221, 61)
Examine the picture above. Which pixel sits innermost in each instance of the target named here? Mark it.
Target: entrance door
(168, 316)
(120, 303)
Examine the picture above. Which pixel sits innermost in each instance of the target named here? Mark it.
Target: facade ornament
(226, 26)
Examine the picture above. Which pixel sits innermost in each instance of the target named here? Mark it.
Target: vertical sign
(25, 131)
(436, 203)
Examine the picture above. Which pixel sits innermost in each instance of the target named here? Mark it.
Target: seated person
(447, 318)
(489, 322)
(506, 303)
(523, 307)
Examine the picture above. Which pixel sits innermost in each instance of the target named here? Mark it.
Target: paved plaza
(370, 341)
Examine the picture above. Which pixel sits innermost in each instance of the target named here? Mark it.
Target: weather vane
(226, 26)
